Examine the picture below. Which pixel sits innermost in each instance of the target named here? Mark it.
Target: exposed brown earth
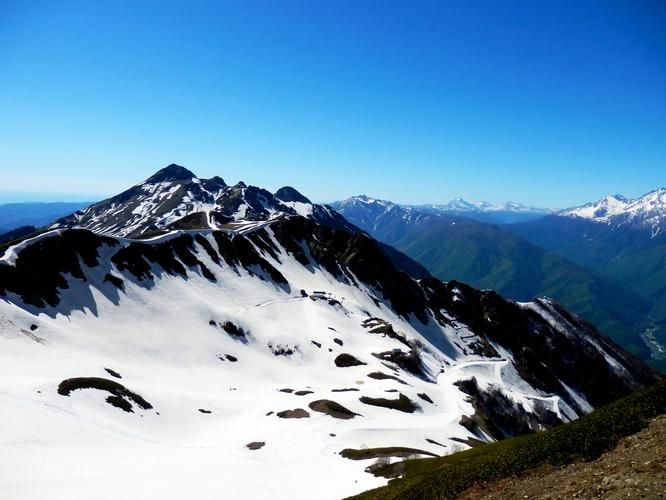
(297, 413)
(255, 445)
(635, 468)
(335, 410)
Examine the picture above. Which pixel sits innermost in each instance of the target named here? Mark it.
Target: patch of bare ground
(335, 410)
(635, 468)
(345, 360)
(120, 396)
(403, 403)
(391, 451)
(297, 413)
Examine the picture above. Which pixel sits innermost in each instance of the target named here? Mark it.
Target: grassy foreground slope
(586, 438)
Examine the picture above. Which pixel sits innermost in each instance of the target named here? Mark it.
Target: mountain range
(482, 211)
(194, 331)
(609, 267)
(624, 242)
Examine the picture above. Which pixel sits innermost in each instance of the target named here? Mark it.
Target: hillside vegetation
(629, 256)
(586, 438)
(487, 256)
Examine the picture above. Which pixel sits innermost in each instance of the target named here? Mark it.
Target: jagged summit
(218, 180)
(171, 172)
(288, 193)
(175, 198)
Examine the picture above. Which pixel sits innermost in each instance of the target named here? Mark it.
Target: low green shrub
(585, 438)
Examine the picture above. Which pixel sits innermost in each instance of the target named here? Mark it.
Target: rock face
(289, 194)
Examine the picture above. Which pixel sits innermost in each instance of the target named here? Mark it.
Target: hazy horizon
(9, 197)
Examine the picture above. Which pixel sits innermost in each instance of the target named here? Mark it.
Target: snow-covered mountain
(459, 205)
(174, 198)
(482, 211)
(370, 214)
(243, 363)
(647, 211)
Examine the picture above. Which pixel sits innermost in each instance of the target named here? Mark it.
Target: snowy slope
(157, 314)
(602, 209)
(647, 211)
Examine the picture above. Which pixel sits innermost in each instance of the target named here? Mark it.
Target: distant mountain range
(481, 210)
(623, 240)
(605, 260)
(14, 215)
(486, 212)
(645, 212)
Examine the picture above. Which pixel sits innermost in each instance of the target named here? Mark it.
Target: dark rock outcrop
(120, 397)
(288, 193)
(335, 410)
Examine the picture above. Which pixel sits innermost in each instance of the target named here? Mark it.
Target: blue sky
(549, 103)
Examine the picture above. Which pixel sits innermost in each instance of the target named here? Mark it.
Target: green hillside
(488, 256)
(628, 256)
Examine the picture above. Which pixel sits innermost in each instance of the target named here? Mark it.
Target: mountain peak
(174, 199)
(648, 211)
(289, 194)
(171, 172)
(359, 197)
(657, 193)
(460, 204)
(218, 180)
(370, 200)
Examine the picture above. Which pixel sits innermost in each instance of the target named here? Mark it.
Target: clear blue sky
(546, 102)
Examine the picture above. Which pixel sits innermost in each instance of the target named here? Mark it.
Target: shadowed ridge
(288, 193)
